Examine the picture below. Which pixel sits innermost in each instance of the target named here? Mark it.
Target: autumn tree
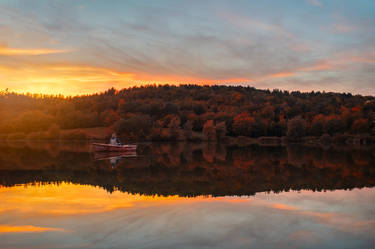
(246, 111)
(53, 132)
(221, 130)
(136, 125)
(296, 128)
(188, 130)
(360, 126)
(174, 127)
(242, 124)
(209, 130)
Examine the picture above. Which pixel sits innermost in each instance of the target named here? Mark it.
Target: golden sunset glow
(21, 51)
(75, 79)
(26, 229)
(72, 199)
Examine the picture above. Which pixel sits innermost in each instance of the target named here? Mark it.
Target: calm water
(186, 196)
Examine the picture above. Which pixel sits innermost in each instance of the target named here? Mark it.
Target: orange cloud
(283, 207)
(74, 79)
(18, 51)
(362, 59)
(229, 199)
(27, 229)
(281, 75)
(340, 62)
(320, 66)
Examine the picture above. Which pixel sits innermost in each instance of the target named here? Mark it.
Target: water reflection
(186, 196)
(68, 215)
(113, 157)
(187, 169)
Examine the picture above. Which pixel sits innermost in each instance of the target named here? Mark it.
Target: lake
(186, 195)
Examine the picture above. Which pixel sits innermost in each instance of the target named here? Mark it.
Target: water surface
(186, 196)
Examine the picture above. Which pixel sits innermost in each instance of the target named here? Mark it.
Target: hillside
(187, 112)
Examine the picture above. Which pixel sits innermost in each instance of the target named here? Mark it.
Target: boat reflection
(112, 156)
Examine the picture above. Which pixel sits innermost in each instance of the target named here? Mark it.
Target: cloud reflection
(98, 219)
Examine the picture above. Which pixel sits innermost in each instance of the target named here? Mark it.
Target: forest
(188, 112)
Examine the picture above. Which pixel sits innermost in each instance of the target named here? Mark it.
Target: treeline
(189, 112)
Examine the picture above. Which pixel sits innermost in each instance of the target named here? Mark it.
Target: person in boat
(114, 140)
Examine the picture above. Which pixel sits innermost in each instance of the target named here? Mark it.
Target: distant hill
(190, 112)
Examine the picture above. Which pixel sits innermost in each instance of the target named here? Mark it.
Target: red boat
(110, 147)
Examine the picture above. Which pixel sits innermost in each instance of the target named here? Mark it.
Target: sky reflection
(81, 216)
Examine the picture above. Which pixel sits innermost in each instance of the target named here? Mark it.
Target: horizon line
(40, 94)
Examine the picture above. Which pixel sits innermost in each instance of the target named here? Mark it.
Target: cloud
(19, 51)
(281, 75)
(338, 63)
(73, 78)
(283, 207)
(343, 28)
(253, 25)
(27, 229)
(315, 3)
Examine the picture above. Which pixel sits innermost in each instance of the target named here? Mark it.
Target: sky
(75, 47)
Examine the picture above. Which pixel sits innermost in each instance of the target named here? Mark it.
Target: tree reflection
(190, 169)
